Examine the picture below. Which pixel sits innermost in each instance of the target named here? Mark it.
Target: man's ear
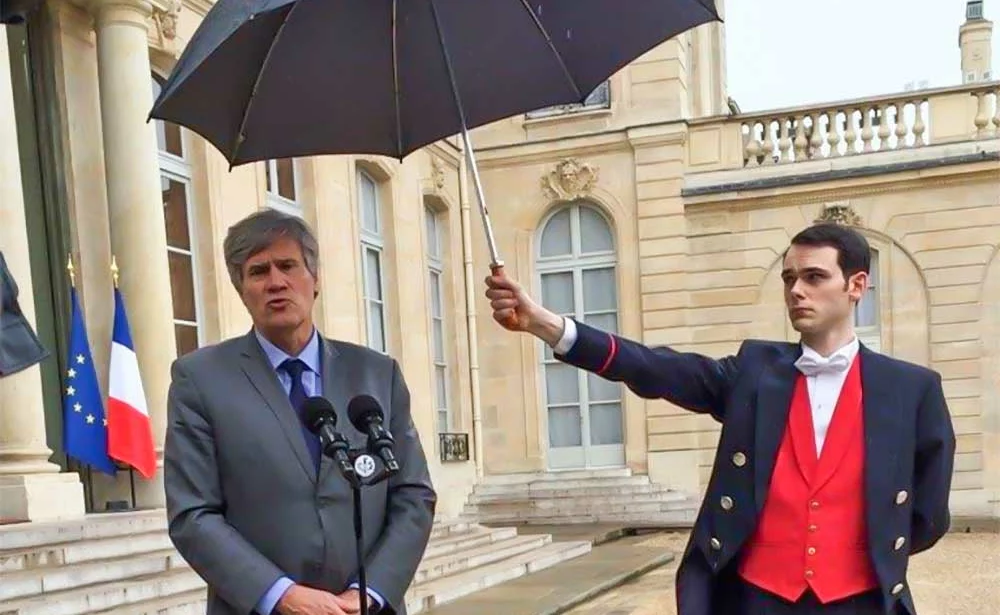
(857, 284)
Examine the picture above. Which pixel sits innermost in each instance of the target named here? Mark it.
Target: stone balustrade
(879, 124)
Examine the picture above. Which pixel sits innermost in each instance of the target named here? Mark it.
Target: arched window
(576, 263)
(372, 260)
(175, 185)
(867, 321)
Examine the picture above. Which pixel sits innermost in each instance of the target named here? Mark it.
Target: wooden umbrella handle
(511, 322)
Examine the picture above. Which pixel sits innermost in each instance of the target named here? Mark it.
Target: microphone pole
(364, 467)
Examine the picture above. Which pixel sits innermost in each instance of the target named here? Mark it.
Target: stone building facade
(656, 209)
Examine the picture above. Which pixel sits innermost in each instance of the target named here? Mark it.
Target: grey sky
(801, 52)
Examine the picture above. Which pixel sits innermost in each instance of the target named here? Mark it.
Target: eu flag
(85, 429)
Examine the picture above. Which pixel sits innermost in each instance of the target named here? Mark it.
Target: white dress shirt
(824, 377)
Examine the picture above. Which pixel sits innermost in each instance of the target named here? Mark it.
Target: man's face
(817, 296)
(278, 289)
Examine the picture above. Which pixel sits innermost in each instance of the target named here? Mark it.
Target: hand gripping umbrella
(264, 79)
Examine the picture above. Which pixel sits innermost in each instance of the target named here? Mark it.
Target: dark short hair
(853, 252)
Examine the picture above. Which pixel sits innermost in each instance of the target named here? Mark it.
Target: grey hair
(258, 231)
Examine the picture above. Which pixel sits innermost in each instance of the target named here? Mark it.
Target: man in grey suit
(253, 506)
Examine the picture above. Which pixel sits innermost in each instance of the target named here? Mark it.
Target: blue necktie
(297, 395)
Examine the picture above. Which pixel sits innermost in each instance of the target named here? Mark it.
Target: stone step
(29, 583)
(105, 596)
(469, 559)
(683, 518)
(106, 525)
(185, 603)
(450, 527)
(476, 537)
(579, 483)
(571, 507)
(65, 553)
(633, 493)
(440, 591)
(558, 475)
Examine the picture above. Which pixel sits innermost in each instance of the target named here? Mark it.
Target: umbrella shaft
(471, 158)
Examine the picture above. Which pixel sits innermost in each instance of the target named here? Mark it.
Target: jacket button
(899, 543)
(901, 497)
(715, 544)
(739, 459)
(726, 502)
(897, 588)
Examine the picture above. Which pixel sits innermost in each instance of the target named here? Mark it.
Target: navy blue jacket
(909, 452)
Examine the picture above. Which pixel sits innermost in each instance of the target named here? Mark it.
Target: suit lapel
(880, 407)
(258, 371)
(774, 397)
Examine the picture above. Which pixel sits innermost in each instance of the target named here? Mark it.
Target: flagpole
(88, 477)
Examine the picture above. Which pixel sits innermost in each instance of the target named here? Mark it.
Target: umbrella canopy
(267, 79)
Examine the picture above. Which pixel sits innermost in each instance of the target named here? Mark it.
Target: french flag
(130, 435)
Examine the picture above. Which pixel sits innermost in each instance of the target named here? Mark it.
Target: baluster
(866, 131)
(918, 123)
(753, 147)
(981, 121)
(851, 136)
(996, 114)
(784, 141)
(801, 143)
(767, 142)
(901, 129)
(833, 133)
(816, 138)
(884, 131)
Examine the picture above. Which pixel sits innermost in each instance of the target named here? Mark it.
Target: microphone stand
(363, 468)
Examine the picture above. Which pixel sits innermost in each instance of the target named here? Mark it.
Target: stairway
(124, 564)
(612, 496)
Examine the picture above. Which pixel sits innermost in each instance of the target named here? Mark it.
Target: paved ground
(960, 576)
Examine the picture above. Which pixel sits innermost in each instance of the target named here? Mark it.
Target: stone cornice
(545, 151)
(199, 7)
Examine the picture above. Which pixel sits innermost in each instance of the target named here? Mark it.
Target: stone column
(135, 205)
(31, 488)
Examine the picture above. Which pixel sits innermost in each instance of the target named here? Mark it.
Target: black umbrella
(265, 79)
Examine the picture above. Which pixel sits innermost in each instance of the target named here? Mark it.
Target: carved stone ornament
(165, 19)
(570, 180)
(437, 174)
(839, 213)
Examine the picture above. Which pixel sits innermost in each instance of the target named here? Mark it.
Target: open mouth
(278, 303)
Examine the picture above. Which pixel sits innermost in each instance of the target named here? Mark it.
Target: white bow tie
(814, 366)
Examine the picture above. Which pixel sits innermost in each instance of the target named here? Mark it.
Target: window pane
(565, 427)
(866, 312)
(168, 136)
(182, 286)
(435, 291)
(186, 338)
(562, 383)
(368, 193)
(286, 178)
(373, 274)
(604, 322)
(441, 386)
(175, 213)
(556, 239)
(433, 240)
(443, 422)
(600, 389)
(376, 328)
(557, 292)
(595, 234)
(438, 334)
(606, 424)
(599, 290)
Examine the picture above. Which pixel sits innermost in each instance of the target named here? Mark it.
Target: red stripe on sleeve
(612, 351)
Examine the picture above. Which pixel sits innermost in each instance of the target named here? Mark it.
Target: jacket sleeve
(690, 380)
(393, 563)
(195, 504)
(935, 458)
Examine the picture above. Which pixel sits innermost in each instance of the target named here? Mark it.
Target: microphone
(321, 419)
(366, 415)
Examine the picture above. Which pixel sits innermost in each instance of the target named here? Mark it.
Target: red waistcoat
(812, 530)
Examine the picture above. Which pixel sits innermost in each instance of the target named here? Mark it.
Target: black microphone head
(362, 410)
(316, 411)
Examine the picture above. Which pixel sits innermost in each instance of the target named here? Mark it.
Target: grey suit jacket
(244, 502)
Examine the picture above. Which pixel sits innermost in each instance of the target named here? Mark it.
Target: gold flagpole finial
(72, 271)
(114, 270)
